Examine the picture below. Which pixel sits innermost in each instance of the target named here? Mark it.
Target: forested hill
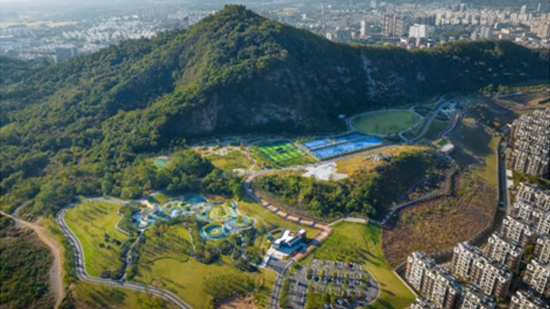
(235, 71)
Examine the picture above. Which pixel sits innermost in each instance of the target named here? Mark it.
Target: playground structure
(223, 219)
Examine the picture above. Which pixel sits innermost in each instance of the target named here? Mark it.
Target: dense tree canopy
(82, 127)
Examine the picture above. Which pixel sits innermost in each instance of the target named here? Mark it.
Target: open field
(90, 221)
(186, 279)
(385, 122)
(363, 244)
(99, 296)
(352, 164)
(232, 160)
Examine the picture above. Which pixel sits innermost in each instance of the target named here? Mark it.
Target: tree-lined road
(85, 277)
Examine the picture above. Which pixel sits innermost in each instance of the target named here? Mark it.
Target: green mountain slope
(88, 119)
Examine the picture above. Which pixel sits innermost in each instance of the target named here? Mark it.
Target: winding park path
(85, 277)
(56, 249)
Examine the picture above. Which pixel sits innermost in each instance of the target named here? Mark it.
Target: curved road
(84, 276)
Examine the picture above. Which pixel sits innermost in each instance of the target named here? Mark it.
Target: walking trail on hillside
(57, 279)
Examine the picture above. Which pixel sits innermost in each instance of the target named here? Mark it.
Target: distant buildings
(531, 144)
(395, 25)
(418, 31)
(64, 53)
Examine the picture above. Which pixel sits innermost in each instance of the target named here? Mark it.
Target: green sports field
(281, 152)
(385, 122)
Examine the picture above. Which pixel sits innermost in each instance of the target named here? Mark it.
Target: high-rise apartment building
(504, 250)
(537, 276)
(542, 248)
(518, 230)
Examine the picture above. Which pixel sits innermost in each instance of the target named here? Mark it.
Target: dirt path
(57, 279)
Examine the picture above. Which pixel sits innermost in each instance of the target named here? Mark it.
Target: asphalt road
(274, 300)
(85, 277)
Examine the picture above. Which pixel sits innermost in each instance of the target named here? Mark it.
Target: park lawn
(385, 122)
(99, 296)
(232, 160)
(165, 241)
(186, 279)
(90, 221)
(352, 164)
(363, 244)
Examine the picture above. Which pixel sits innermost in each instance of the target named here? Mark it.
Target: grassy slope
(352, 164)
(90, 221)
(173, 243)
(98, 296)
(185, 279)
(232, 160)
(363, 244)
(385, 122)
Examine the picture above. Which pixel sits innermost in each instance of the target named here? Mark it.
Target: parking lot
(334, 277)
